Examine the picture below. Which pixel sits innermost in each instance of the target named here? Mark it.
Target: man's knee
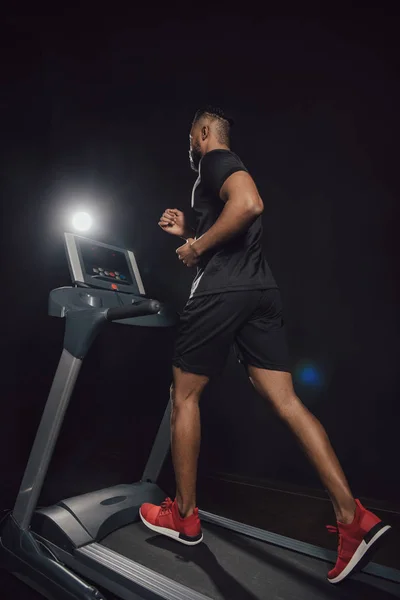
(187, 390)
(181, 396)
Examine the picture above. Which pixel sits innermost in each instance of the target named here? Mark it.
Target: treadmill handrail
(138, 308)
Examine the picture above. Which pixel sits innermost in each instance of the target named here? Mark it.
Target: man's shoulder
(220, 159)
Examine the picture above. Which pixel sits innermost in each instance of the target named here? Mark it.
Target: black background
(95, 114)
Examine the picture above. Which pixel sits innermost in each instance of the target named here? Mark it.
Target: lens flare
(308, 374)
(82, 221)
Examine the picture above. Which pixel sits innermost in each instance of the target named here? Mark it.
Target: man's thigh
(207, 329)
(261, 341)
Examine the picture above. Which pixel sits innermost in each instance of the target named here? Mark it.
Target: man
(235, 300)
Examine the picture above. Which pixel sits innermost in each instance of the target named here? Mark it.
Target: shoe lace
(333, 529)
(166, 506)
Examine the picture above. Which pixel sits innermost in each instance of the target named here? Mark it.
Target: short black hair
(224, 122)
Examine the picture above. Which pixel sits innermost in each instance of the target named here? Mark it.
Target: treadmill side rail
(131, 575)
(374, 569)
(23, 555)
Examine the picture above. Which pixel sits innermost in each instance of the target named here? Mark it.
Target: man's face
(195, 153)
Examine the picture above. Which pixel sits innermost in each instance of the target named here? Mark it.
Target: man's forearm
(233, 220)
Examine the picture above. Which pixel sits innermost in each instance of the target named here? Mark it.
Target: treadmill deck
(230, 566)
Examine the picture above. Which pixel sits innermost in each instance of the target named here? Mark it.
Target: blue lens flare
(308, 374)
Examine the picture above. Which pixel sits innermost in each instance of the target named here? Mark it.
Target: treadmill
(94, 546)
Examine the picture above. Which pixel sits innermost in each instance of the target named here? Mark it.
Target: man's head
(210, 130)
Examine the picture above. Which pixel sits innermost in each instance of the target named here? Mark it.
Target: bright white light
(82, 221)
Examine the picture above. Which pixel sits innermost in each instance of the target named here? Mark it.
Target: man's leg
(179, 519)
(277, 388)
(186, 391)
(206, 332)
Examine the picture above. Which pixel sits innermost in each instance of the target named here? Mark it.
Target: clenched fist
(188, 254)
(173, 221)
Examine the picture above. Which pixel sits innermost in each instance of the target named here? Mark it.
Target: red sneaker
(166, 519)
(357, 542)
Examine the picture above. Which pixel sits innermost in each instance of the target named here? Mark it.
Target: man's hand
(187, 254)
(173, 221)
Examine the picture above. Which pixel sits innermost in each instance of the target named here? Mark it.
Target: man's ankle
(346, 517)
(185, 511)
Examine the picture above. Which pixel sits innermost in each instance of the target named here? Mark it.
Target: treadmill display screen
(104, 263)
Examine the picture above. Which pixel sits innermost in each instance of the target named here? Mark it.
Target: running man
(235, 300)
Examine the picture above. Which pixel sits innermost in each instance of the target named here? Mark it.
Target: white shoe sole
(175, 535)
(362, 549)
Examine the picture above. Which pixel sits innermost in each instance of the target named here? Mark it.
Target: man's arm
(242, 207)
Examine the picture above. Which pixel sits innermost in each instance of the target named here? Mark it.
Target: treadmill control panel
(102, 266)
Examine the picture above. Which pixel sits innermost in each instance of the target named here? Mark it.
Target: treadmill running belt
(230, 566)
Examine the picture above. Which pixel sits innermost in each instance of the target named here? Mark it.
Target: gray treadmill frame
(125, 576)
(122, 573)
(120, 570)
(86, 560)
(46, 438)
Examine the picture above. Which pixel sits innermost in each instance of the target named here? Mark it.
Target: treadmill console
(97, 265)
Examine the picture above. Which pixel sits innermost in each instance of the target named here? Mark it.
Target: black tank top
(239, 264)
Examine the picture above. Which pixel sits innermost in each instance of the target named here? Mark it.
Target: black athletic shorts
(250, 320)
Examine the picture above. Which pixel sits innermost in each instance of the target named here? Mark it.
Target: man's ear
(205, 131)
